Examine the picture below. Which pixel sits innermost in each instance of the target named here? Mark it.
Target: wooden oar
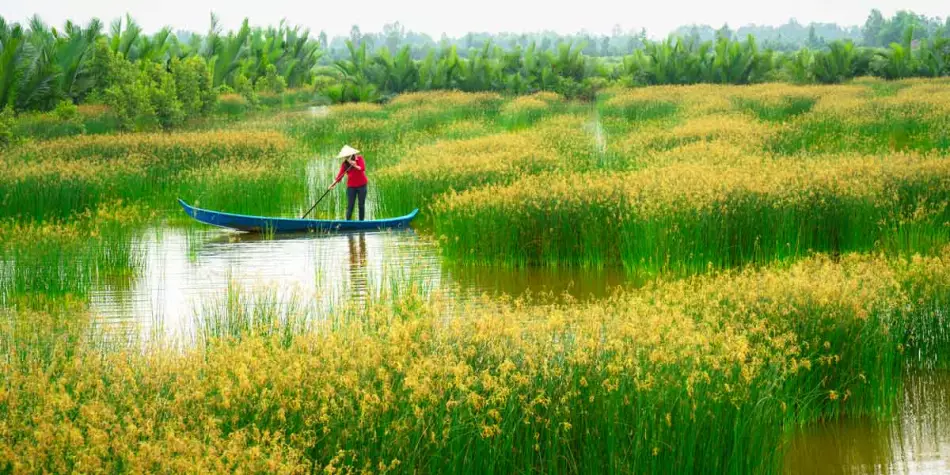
(325, 193)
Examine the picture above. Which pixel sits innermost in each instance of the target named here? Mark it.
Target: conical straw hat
(346, 151)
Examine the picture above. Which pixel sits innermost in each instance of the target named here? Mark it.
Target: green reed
(784, 110)
(878, 129)
(68, 258)
(58, 179)
(739, 229)
(705, 374)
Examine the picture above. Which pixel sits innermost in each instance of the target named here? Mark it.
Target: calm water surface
(188, 271)
(916, 441)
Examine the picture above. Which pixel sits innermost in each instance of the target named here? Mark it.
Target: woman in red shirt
(354, 168)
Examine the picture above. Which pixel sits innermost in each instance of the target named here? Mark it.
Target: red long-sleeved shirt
(355, 176)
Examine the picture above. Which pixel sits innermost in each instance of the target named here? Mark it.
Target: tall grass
(248, 187)
(915, 117)
(90, 119)
(733, 170)
(374, 128)
(705, 374)
(689, 217)
(720, 138)
(59, 178)
(873, 129)
(242, 314)
(428, 171)
(525, 111)
(786, 108)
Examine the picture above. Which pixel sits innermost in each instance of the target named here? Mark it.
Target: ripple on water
(917, 440)
(187, 271)
(184, 272)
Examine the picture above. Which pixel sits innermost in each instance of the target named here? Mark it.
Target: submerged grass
(705, 374)
(62, 258)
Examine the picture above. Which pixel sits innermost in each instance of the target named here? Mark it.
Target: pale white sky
(458, 18)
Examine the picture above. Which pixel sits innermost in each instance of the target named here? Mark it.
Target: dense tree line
(792, 36)
(164, 78)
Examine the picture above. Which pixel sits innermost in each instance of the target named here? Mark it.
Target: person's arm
(339, 176)
(358, 163)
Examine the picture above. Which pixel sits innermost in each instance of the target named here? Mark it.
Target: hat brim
(347, 152)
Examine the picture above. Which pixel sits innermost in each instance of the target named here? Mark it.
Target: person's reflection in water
(358, 280)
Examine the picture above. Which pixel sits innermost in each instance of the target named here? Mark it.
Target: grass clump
(431, 170)
(916, 117)
(59, 178)
(62, 258)
(686, 218)
(784, 110)
(703, 374)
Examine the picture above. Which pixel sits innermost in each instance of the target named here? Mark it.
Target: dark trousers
(351, 194)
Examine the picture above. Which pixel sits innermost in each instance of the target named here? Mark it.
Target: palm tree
(935, 57)
(637, 67)
(123, 40)
(265, 48)
(835, 65)
(539, 70)
(400, 73)
(897, 61)
(73, 57)
(300, 56)
(36, 88)
(570, 61)
(156, 49)
(450, 68)
(735, 62)
(224, 54)
(481, 71)
(355, 71)
(672, 62)
(800, 66)
(442, 70)
(11, 61)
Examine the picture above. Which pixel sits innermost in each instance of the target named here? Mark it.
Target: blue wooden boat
(247, 223)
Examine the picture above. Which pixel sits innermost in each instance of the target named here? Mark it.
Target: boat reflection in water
(185, 271)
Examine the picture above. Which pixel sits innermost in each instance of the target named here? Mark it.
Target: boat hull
(260, 224)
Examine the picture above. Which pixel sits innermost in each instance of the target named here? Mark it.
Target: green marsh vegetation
(791, 239)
